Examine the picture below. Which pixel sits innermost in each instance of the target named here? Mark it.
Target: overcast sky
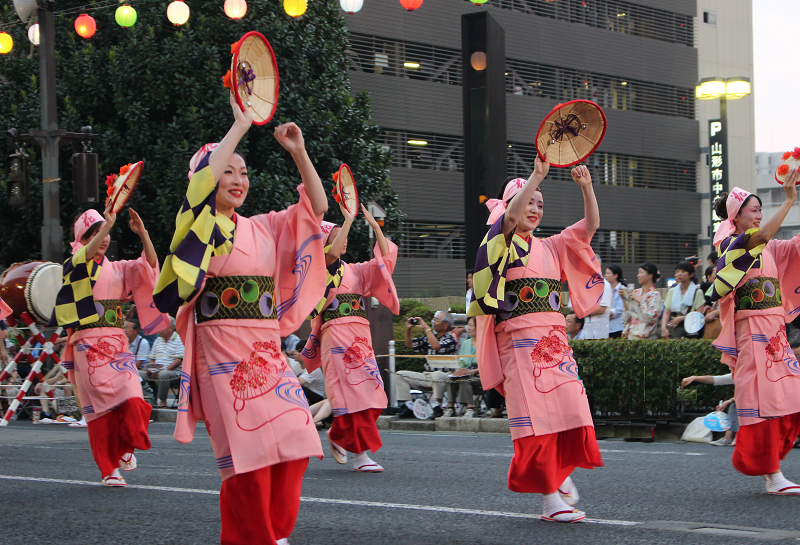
(776, 85)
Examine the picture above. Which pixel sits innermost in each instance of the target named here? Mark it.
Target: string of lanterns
(178, 14)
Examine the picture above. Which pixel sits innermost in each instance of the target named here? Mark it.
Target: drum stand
(36, 364)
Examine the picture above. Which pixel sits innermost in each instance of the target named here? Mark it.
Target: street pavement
(438, 488)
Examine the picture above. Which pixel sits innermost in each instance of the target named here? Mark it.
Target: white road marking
(429, 508)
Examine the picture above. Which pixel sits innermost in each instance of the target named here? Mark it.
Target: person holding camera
(438, 339)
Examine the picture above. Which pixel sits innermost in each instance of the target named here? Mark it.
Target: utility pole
(49, 136)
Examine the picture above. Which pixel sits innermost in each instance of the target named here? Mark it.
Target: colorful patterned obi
(345, 305)
(758, 293)
(110, 312)
(528, 295)
(237, 297)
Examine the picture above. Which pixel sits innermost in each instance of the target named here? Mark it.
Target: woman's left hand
(290, 137)
(676, 321)
(581, 176)
(136, 224)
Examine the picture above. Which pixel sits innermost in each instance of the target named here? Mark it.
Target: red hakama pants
(542, 462)
(760, 447)
(357, 432)
(119, 432)
(260, 507)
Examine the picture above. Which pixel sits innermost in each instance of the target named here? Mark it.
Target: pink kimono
(101, 366)
(527, 357)
(234, 375)
(754, 345)
(343, 347)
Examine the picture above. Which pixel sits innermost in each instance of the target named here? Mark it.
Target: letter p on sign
(716, 126)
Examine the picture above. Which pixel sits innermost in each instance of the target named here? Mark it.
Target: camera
(413, 321)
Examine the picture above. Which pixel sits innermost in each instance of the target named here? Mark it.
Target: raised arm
(97, 240)
(771, 226)
(338, 244)
(291, 137)
(222, 153)
(590, 209)
(382, 244)
(137, 226)
(516, 208)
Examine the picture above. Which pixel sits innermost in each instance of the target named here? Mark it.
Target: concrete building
(772, 194)
(725, 49)
(638, 59)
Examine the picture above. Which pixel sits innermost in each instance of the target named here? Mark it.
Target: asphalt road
(443, 489)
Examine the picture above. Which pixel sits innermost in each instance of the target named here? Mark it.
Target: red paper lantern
(85, 26)
(411, 5)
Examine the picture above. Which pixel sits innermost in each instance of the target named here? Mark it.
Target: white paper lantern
(33, 34)
(178, 12)
(351, 6)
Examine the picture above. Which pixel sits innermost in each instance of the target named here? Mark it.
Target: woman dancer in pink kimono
(97, 355)
(340, 341)
(522, 342)
(246, 282)
(757, 286)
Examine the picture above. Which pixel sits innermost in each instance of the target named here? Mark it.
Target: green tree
(153, 92)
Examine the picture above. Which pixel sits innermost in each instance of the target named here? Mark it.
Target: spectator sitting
(574, 327)
(55, 380)
(730, 405)
(166, 359)
(437, 340)
(139, 346)
(683, 298)
(468, 367)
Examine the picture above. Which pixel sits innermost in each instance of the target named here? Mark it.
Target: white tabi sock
(569, 492)
(778, 484)
(362, 459)
(554, 508)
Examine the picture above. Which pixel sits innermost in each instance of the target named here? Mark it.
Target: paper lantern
(33, 34)
(478, 2)
(351, 6)
(411, 5)
(85, 26)
(235, 9)
(295, 8)
(178, 12)
(6, 43)
(125, 16)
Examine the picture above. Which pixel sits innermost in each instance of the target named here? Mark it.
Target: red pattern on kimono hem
(542, 462)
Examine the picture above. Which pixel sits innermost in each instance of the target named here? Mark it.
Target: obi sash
(237, 297)
(345, 305)
(110, 312)
(758, 293)
(529, 295)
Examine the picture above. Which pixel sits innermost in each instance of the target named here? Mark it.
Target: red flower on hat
(226, 80)
(796, 153)
(124, 170)
(110, 179)
(783, 169)
(786, 155)
(110, 190)
(233, 47)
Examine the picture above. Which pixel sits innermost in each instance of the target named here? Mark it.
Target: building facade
(637, 59)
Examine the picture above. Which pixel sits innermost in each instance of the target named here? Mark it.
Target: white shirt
(140, 348)
(723, 380)
(164, 353)
(315, 381)
(596, 327)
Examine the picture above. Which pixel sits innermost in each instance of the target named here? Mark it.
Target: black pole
(52, 249)
(484, 116)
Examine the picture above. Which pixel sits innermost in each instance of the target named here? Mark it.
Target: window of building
(432, 240)
(443, 65)
(710, 18)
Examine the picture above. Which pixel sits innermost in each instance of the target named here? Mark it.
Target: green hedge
(640, 379)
